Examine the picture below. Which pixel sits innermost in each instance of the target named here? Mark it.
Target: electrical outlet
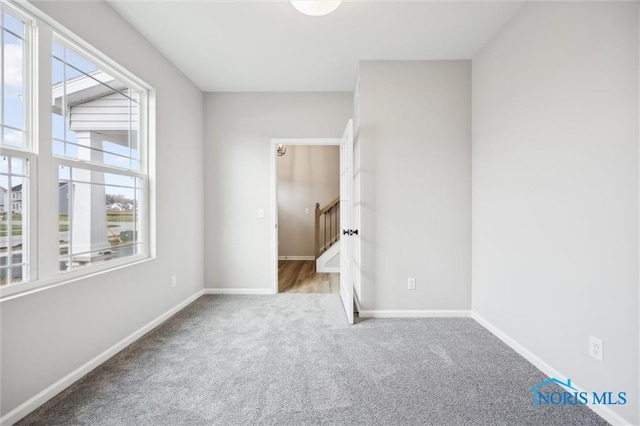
(411, 283)
(596, 348)
(174, 281)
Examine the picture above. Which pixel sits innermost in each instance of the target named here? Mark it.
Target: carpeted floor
(293, 360)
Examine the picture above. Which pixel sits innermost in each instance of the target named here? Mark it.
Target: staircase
(327, 237)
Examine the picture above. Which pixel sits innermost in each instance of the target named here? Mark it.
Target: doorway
(344, 208)
(294, 256)
(308, 194)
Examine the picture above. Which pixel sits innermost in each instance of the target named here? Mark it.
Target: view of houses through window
(97, 149)
(98, 217)
(13, 230)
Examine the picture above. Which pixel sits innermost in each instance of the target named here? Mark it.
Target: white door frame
(274, 194)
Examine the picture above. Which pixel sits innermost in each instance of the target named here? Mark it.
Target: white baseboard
(296, 258)
(606, 413)
(416, 314)
(36, 401)
(243, 291)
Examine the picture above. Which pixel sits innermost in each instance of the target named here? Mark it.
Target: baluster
(338, 220)
(331, 232)
(334, 219)
(330, 227)
(324, 245)
(317, 230)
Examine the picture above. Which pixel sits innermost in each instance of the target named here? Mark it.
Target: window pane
(12, 137)
(18, 192)
(58, 51)
(12, 24)
(18, 166)
(57, 73)
(13, 229)
(12, 111)
(64, 215)
(13, 69)
(80, 64)
(58, 148)
(57, 125)
(98, 217)
(64, 173)
(74, 77)
(95, 115)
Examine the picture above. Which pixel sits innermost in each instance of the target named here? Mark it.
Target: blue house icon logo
(537, 395)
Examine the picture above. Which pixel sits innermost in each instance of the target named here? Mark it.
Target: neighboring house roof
(86, 88)
(98, 103)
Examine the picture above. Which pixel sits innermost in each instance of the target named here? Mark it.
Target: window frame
(141, 174)
(41, 31)
(28, 151)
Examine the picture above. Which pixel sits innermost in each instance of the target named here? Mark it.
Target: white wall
(47, 335)
(415, 141)
(238, 132)
(555, 189)
(306, 175)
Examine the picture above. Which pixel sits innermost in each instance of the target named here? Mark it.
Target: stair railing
(327, 228)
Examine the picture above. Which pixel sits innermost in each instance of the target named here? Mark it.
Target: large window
(86, 163)
(95, 119)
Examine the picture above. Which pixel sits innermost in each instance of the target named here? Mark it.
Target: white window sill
(13, 291)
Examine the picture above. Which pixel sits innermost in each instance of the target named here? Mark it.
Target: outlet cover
(174, 281)
(596, 348)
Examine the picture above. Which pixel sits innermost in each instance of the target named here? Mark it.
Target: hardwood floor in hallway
(300, 276)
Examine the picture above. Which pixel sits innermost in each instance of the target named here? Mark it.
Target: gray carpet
(293, 360)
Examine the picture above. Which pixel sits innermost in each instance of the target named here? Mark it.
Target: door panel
(356, 203)
(346, 216)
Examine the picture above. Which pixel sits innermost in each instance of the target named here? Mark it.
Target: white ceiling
(269, 46)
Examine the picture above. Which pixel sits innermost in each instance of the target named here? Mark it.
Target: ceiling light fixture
(316, 7)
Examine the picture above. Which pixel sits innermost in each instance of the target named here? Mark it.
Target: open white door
(346, 217)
